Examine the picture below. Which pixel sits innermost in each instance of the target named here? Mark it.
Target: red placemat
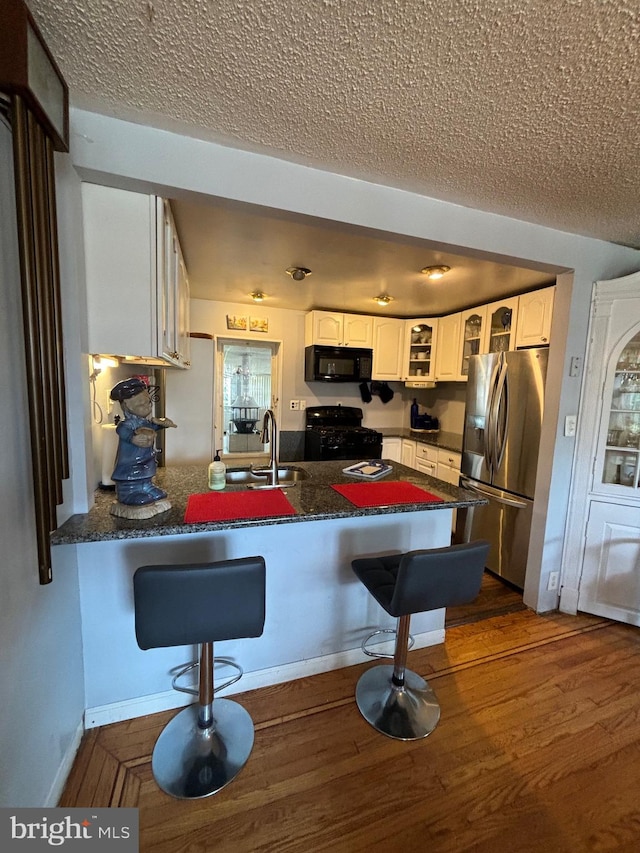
(384, 494)
(227, 506)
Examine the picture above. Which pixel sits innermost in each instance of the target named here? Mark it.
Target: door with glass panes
(247, 379)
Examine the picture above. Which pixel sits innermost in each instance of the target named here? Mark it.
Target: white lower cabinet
(408, 453)
(426, 459)
(392, 449)
(448, 468)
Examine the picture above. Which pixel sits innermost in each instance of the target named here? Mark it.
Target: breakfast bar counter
(312, 499)
(317, 612)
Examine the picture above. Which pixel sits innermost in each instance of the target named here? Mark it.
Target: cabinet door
(610, 582)
(420, 349)
(173, 291)
(472, 325)
(408, 453)
(167, 266)
(184, 315)
(323, 327)
(120, 259)
(392, 449)
(448, 349)
(357, 330)
(388, 348)
(534, 318)
(500, 327)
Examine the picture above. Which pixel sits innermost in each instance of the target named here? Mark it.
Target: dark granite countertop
(445, 440)
(312, 498)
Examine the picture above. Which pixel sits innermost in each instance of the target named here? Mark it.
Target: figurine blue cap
(128, 388)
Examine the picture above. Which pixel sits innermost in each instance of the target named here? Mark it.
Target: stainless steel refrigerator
(503, 418)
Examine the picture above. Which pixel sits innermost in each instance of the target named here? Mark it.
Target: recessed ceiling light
(383, 300)
(434, 273)
(298, 273)
(257, 295)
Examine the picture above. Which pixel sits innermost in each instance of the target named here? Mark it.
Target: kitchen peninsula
(317, 612)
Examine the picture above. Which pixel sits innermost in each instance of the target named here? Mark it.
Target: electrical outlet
(303, 405)
(570, 425)
(294, 405)
(554, 578)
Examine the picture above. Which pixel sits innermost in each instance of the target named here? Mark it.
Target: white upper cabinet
(137, 285)
(420, 351)
(358, 330)
(535, 310)
(388, 348)
(472, 334)
(330, 328)
(173, 291)
(500, 326)
(448, 349)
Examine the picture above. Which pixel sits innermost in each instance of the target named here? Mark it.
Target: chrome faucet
(272, 471)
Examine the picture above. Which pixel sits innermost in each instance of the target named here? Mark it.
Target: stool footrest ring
(375, 633)
(193, 691)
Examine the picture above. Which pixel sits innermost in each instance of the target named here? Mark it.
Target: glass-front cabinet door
(473, 323)
(421, 361)
(501, 326)
(623, 431)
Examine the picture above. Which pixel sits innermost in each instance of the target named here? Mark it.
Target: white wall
(41, 673)
(287, 326)
(139, 157)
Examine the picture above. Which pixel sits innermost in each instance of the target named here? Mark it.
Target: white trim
(57, 787)
(102, 715)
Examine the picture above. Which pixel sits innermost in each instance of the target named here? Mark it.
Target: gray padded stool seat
(207, 743)
(394, 700)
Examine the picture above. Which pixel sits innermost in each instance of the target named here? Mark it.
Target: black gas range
(335, 432)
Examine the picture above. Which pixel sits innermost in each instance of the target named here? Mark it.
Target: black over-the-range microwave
(337, 364)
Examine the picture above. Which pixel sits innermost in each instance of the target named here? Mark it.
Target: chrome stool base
(410, 712)
(190, 762)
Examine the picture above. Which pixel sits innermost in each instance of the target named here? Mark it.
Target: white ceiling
(526, 108)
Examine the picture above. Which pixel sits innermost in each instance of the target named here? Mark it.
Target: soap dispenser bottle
(217, 473)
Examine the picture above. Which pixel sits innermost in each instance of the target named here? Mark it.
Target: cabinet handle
(544, 340)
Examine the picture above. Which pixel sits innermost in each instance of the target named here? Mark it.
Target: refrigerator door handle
(490, 432)
(501, 499)
(501, 420)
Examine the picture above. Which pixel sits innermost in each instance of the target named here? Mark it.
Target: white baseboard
(55, 792)
(102, 715)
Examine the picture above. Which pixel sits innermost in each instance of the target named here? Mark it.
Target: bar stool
(394, 700)
(207, 743)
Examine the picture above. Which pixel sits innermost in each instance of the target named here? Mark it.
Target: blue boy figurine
(136, 464)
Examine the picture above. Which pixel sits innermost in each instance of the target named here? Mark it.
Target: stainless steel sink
(288, 475)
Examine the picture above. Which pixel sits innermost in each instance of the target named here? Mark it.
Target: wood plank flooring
(538, 749)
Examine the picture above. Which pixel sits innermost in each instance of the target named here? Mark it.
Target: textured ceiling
(527, 108)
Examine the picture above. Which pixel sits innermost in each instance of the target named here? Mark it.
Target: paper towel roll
(109, 450)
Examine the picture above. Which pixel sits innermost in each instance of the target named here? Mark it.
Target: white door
(610, 583)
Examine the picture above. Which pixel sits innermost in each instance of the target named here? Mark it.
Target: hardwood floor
(538, 749)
